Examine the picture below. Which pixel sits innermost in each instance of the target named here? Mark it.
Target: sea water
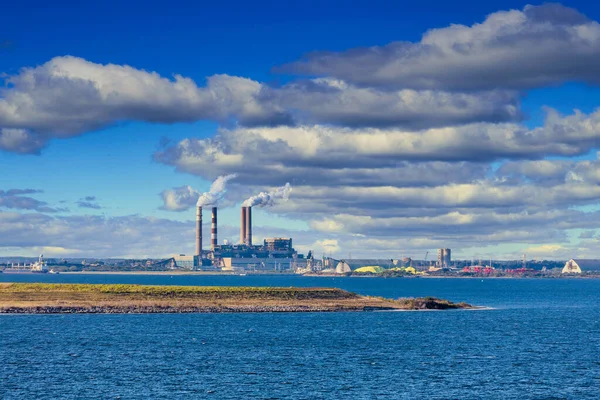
(540, 340)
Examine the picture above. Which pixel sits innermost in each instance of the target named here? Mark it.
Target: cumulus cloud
(297, 156)
(463, 210)
(551, 172)
(480, 195)
(406, 146)
(68, 96)
(382, 183)
(179, 199)
(473, 227)
(326, 247)
(534, 47)
(290, 151)
(331, 101)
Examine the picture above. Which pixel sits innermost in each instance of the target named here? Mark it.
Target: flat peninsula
(41, 298)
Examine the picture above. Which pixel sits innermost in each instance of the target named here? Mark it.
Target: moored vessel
(38, 267)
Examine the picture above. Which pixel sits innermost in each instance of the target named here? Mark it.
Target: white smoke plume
(216, 192)
(265, 199)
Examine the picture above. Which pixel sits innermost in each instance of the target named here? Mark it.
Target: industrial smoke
(265, 199)
(216, 192)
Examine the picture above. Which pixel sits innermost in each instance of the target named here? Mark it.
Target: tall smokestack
(213, 231)
(199, 232)
(249, 226)
(243, 226)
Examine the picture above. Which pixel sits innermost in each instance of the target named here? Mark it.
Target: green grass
(180, 291)
(82, 295)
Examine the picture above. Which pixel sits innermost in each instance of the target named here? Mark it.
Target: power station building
(271, 248)
(262, 264)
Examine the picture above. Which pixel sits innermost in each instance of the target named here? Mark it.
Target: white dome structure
(572, 267)
(342, 268)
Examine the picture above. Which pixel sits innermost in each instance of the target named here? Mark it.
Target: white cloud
(545, 250)
(551, 172)
(180, 198)
(459, 223)
(328, 101)
(382, 184)
(538, 46)
(291, 152)
(327, 246)
(391, 149)
(69, 96)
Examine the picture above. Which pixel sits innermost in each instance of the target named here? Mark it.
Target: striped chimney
(199, 231)
(213, 231)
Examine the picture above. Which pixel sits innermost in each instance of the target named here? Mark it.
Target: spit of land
(42, 298)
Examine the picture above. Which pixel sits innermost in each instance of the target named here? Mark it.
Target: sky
(400, 128)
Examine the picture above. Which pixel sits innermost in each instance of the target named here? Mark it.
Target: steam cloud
(216, 192)
(265, 199)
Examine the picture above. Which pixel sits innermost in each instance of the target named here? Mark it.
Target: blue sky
(117, 162)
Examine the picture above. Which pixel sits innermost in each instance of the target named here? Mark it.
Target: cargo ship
(38, 267)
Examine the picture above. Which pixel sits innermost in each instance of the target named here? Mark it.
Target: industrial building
(262, 264)
(244, 255)
(444, 258)
(182, 261)
(265, 250)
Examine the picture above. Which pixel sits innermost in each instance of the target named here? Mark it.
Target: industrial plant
(277, 254)
(272, 254)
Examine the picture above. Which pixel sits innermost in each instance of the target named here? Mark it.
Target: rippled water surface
(541, 341)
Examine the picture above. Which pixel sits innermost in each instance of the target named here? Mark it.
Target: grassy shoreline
(42, 298)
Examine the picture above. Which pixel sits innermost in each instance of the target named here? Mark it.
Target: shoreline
(269, 273)
(40, 298)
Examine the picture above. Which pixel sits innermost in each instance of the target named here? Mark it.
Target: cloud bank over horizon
(402, 145)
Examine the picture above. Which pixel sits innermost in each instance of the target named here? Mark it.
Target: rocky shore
(176, 310)
(18, 298)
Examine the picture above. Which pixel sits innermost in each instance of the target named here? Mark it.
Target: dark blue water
(542, 341)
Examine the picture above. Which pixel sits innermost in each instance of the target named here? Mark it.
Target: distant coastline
(271, 273)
